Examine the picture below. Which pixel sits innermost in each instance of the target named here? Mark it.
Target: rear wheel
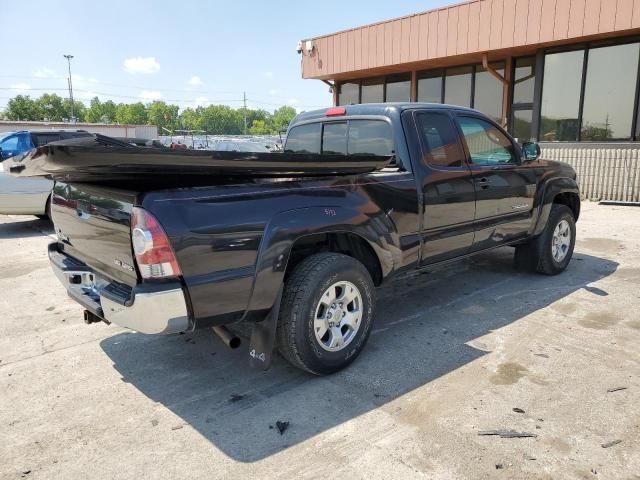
(326, 313)
(551, 252)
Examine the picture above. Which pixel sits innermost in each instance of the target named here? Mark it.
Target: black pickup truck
(296, 256)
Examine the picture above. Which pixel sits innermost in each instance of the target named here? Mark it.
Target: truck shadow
(428, 325)
(25, 227)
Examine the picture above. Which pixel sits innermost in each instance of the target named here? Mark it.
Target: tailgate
(93, 224)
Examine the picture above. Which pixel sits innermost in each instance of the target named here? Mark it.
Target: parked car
(297, 258)
(241, 146)
(27, 196)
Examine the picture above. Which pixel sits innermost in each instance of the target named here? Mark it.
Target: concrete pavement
(453, 352)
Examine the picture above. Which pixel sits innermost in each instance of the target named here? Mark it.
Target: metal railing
(605, 171)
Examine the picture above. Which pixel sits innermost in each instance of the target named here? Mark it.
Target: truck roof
(378, 109)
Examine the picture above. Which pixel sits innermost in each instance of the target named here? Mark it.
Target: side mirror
(530, 151)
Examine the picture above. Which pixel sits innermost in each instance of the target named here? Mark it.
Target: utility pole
(244, 101)
(69, 57)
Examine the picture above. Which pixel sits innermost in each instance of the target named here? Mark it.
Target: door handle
(483, 182)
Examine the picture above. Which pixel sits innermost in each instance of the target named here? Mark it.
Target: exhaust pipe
(229, 339)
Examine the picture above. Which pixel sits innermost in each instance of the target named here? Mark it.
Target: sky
(187, 53)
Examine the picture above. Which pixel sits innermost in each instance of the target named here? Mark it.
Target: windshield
(4, 135)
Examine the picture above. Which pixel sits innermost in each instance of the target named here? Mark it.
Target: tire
(538, 255)
(305, 305)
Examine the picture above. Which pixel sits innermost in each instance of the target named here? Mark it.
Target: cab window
(44, 138)
(334, 138)
(486, 143)
(370, 137)
(439, 139)
(304, 139)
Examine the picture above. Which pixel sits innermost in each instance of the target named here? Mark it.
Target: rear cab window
(345, 137)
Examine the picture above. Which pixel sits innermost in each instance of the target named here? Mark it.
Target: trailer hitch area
(263, 337)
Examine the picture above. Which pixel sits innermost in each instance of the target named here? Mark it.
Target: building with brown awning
(561, 72)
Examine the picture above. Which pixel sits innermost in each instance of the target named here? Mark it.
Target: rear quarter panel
(227, 236)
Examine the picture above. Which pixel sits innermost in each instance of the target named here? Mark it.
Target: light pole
(69, 57)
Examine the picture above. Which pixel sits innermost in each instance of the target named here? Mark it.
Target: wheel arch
(371, 240)
(561, 190)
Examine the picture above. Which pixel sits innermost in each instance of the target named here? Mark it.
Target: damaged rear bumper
(145, 308)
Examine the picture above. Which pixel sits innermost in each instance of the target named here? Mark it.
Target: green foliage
(259, 127)
(213, 119)
(282, 117)
(23, 107)
(131, 114)
(99, 112)
(162, 115)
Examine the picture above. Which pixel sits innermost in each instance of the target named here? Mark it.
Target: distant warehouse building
(560, 72)
(129, 131)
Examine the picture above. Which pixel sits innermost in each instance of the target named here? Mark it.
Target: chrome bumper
(155, 309)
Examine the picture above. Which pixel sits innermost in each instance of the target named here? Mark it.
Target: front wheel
(551, 252)
(326, 313)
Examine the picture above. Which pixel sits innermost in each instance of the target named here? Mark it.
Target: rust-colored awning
(462, 33)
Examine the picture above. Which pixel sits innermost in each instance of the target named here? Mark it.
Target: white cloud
(195, 81)
(201, 102)
(292, 101)
(268, 74)
(144, 65)
(274, 91)
(44, 73)
(150, 95)
(20, 87)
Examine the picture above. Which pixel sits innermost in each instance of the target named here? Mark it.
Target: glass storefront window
(372, 91)
(524, 80)
(521, 128)
(430, 87)
(457, 87)
(348, 94)
(609, 91)
(398, 89)
(488, 92)
(561, 96)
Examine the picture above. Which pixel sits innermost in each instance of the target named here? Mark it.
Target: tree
(79, 110)
(282, 117)
(213, 119)
(23, 108)
(133, 113)
(190, 119)
(220, 119)
(52, 108)
(162, 115)
(99, 112)
(259, 127)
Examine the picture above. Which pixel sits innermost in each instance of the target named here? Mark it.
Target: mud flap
(263, 337)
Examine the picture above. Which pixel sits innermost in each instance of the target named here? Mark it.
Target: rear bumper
(151, 309)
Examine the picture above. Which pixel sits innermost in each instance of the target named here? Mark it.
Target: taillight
(151, 246)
